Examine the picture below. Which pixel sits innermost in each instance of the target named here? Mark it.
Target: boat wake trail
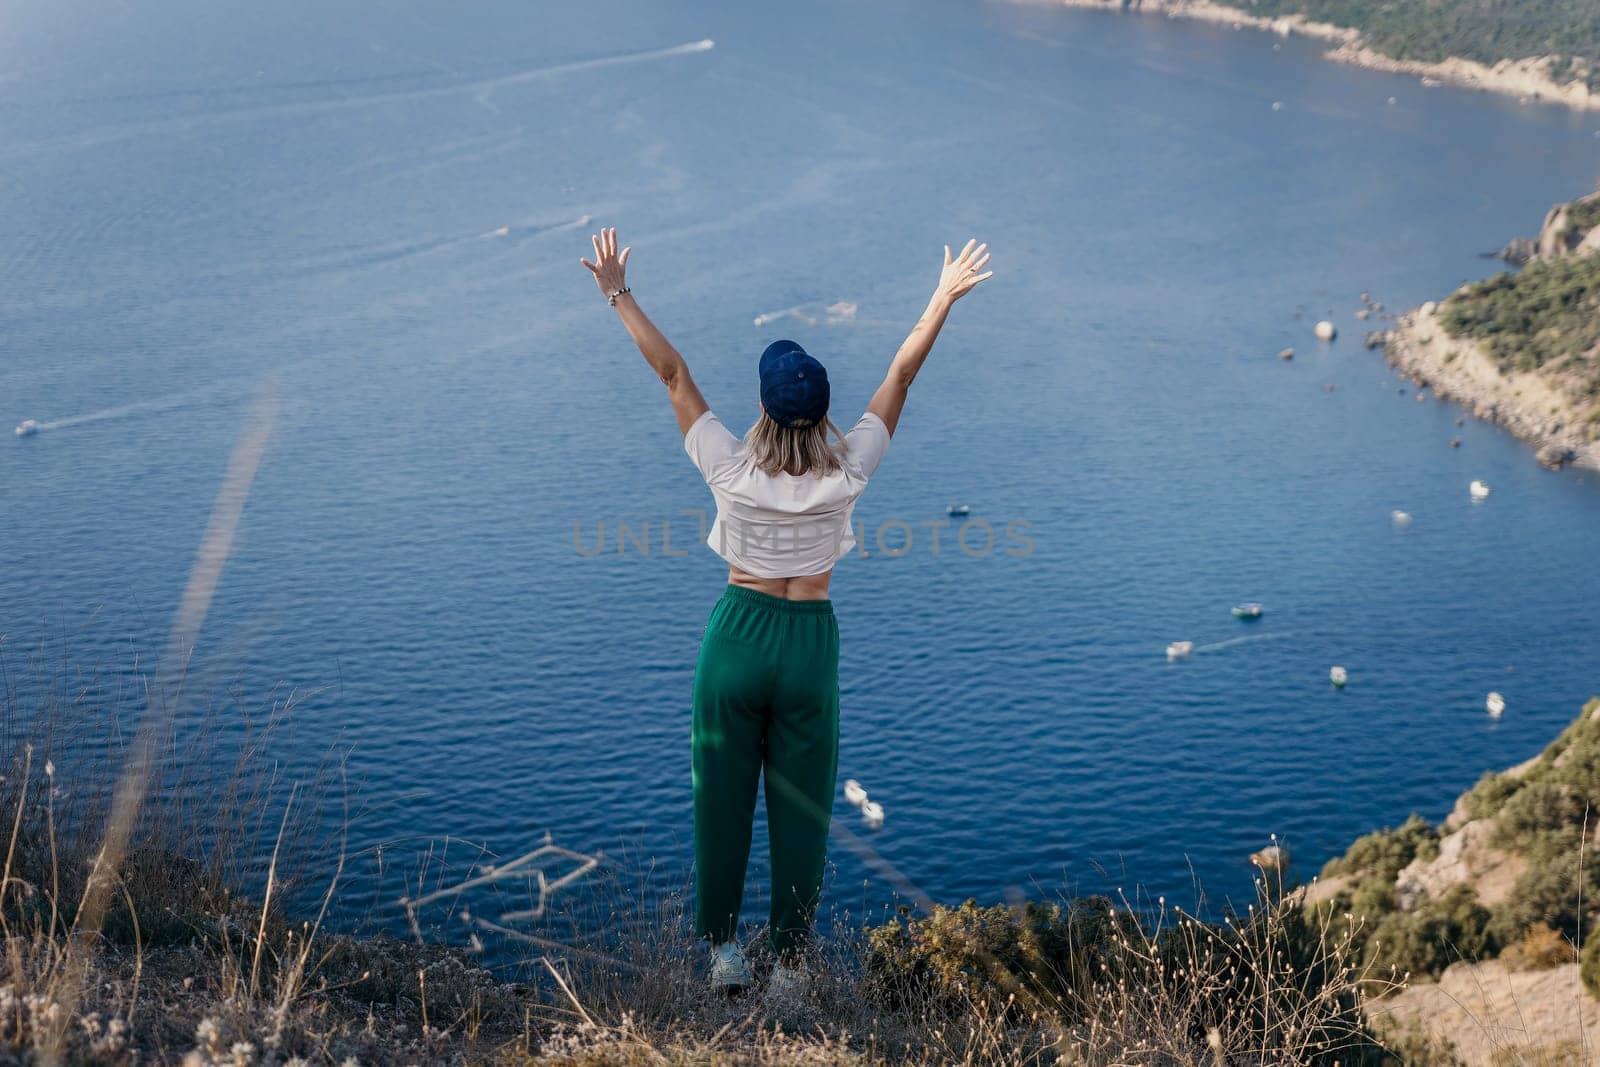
(488, 86)
(481, 89)
(521, 232)
(1231, 642)
(393, 252)
(123, 411)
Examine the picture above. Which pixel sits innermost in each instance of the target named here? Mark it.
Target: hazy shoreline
(1526, 79)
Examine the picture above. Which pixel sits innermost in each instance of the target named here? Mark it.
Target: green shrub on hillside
(1368, 898)
(1429, 938)
(1543, 821)
(1540, 815)
(1558, 878)
(1589, 965)
(1490, 795)
(1541, 807)
(1384, 853)
(1545, 317)
(1573, 760)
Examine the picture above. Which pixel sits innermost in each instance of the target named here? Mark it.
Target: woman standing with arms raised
(766, 688)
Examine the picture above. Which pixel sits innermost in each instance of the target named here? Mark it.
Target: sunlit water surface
(375, 213)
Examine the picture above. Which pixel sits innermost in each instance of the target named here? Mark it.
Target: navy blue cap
(794, 386)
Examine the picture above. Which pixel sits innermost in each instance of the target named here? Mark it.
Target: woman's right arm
(609, 270)
(956, 280)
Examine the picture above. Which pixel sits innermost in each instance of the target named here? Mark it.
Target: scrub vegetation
(1545, 318)
(1483, 30)
(210, 956)
(1532, 825)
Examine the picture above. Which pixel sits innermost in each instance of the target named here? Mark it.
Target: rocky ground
(1492, 1013)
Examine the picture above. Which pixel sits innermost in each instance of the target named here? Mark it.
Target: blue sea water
(375, 214)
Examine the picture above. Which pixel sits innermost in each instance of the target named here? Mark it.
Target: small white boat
(1495, 704)
(1251, 610)
(1338, 676)
(1479, 490)
(27, 428)
(872, 812)
(854, 793)
(960, 509)
(1401, 518)
(1180, 649)
(1326, 331)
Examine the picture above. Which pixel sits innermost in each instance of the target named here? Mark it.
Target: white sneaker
(787, 983)
(730, 971)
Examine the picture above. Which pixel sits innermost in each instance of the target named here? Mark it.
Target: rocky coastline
(1530, 80)
(1550, 407)
(1487, 911)
(1524, 402)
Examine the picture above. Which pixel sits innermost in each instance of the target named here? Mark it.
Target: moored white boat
(1495, 704)
(1338, 676)
(854, 793)
(872, 812)
(1479, 490)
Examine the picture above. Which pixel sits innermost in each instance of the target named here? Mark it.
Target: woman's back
(772, 526)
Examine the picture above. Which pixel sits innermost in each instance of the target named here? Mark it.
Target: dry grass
(1073, 983)
(197, 958)
(1540, 949)
(194, 956)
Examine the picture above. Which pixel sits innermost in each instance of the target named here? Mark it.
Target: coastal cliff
(1567, 228)
(1476, 58)
(1487, 911)
(1522, 349)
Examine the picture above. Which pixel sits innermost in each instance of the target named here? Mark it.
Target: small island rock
(1272, 859)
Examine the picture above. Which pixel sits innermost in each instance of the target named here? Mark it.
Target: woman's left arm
(609, 269)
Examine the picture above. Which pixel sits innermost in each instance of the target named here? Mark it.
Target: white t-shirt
(783, 525)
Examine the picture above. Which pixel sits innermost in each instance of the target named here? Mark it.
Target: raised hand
(609, 267)
(960, 273)
(610, 274)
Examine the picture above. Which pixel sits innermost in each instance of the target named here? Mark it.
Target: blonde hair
(794, 450)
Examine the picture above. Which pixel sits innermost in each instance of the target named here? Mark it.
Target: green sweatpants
(766, 698)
